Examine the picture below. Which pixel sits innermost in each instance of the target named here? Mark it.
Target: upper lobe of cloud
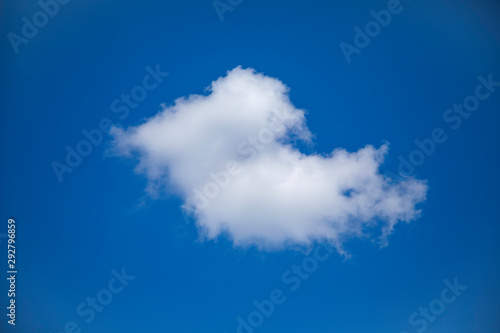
(229, 156)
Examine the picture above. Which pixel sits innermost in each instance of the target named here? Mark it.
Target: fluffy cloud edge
(186, 143)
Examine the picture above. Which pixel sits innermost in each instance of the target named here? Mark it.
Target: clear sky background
(72, 233)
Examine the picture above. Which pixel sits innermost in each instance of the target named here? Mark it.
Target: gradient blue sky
(71, 234)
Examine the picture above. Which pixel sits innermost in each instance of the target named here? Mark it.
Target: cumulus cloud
(230, 156)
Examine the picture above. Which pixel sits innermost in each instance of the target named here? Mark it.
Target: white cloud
(229, 155)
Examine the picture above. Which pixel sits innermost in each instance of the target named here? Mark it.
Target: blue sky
(74, 236)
